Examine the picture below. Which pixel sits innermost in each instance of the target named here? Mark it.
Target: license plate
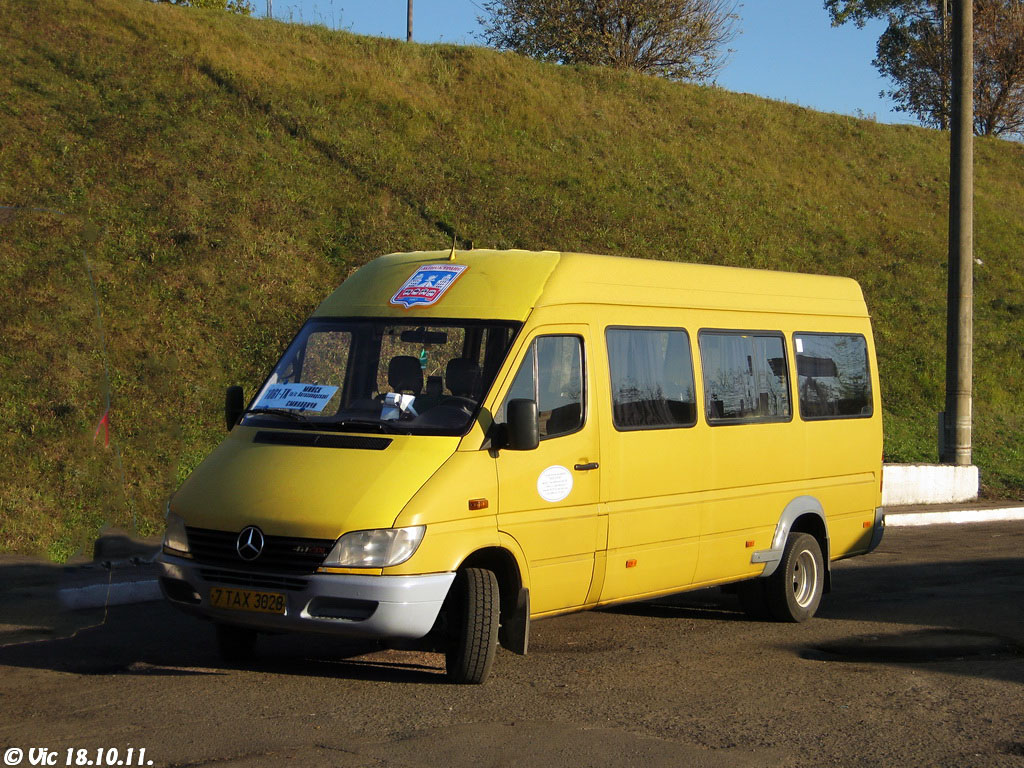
(247, 600)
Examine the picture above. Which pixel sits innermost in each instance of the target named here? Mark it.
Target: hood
(321, 489)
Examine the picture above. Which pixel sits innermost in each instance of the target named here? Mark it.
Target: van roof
(507, 285)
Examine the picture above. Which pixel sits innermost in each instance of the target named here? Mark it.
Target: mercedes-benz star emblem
(250, 543)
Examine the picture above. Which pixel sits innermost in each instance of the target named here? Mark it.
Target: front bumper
(361, 607)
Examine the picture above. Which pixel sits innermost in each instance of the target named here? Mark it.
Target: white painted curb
(118, 593)
(954, 516)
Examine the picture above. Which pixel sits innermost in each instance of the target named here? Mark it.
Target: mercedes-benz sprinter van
(457, 444)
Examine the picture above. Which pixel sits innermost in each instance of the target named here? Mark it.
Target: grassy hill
(220, 175)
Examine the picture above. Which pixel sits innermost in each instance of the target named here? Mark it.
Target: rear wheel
(473, 611)
(237, 645)
(794, 590)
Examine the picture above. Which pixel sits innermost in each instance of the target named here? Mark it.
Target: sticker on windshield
(297, 397)
(427, 285)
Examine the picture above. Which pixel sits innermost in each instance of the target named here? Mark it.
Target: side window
(652, 378)
(552, 374)
(832, 375)
(745, 377)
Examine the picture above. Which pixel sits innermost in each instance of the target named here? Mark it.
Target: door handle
(585, 467)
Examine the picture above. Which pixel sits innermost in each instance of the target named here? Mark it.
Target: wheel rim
(805, 578)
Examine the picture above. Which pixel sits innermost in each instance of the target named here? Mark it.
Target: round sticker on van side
(554, 483)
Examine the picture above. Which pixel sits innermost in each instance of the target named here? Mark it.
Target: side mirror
(522, 428)
(234, 404)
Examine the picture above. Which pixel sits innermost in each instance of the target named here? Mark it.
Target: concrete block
(117, 545)
(905, 484)
(118, 593)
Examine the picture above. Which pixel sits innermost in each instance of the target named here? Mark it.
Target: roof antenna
(455, 239)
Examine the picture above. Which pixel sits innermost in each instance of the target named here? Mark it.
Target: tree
(999, 68)
(676, 39)
(243, 7)
(915, 52)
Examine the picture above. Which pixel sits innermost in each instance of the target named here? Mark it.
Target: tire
(794, 590)
(473, 612)
(237, 645)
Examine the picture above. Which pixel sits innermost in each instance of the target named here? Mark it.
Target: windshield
(384, 375)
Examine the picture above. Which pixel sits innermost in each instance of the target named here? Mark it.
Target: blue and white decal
(296, 397)
(427, 285)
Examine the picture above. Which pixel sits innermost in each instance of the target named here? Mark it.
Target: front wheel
(473, 612)
(794, 591)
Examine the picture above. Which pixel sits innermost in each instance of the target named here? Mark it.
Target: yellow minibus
(457, 444)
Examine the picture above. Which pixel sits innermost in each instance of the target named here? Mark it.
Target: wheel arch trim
(799, 507)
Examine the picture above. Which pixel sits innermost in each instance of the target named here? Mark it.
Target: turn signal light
(475, 504)
(631, 563)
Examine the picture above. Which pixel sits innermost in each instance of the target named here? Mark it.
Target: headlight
(175, 537)
(379, 548)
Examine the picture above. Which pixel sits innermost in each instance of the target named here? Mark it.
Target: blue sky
(787, 49)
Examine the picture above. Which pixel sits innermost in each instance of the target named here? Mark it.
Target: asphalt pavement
(916, 658)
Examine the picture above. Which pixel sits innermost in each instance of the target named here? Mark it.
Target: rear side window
(652, 378)
(833, 381)
(745, 377)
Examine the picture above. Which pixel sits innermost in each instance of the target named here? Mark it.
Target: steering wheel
(455, 401)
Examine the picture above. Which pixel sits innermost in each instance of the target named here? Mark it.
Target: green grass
(238, 169)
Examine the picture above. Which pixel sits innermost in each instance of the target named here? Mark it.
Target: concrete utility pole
(956, 438)
(408, 24)
(270, 9)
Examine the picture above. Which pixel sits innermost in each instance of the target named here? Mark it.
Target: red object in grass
(104, 424)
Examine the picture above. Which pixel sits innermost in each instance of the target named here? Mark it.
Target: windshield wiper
(276, 412)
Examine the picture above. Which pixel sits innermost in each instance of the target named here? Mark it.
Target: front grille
(260, 580)
(281, 554)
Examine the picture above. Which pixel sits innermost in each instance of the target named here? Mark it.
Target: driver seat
(405, 375)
